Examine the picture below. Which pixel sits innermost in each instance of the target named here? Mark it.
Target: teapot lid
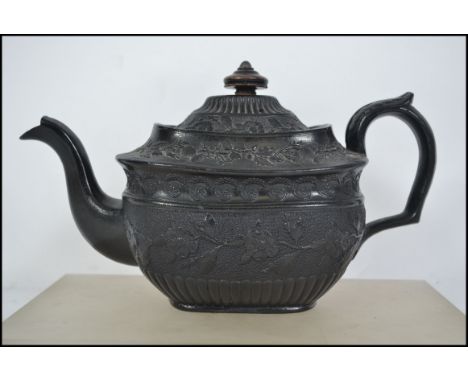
(245, 112)
(243, 133)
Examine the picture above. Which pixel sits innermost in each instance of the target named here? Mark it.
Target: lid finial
(245, 80)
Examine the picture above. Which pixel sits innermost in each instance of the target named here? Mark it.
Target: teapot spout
(98, 216)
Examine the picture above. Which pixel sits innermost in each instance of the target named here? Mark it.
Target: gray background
(111, 90)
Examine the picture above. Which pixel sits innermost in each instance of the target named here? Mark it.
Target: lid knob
(245, 79)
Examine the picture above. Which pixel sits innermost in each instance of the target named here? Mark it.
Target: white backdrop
(110, 90)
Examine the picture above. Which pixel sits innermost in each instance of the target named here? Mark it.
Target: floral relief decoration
(198, 244)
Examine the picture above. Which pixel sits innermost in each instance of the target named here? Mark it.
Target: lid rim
(175, 128)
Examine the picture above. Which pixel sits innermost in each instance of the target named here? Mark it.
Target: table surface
(107, 309)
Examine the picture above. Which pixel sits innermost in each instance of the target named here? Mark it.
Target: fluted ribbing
(242, 105)
(248, 293)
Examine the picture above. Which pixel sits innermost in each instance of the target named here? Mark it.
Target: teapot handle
(401, 108)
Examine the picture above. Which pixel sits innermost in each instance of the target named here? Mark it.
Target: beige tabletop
(96, 309)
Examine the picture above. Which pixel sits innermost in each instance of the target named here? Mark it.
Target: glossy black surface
(401, 108)
(98, 216)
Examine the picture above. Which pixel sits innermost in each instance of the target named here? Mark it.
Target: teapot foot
(241, 309)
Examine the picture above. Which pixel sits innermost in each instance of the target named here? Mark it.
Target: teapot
(241, 207)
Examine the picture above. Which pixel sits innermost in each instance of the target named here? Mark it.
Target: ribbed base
(269, 296)
(241, 309)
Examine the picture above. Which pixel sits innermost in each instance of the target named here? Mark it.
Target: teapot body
(252, 256)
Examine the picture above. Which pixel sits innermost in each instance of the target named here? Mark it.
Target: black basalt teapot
(241, 207)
